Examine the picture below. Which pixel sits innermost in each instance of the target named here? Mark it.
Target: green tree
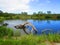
(48, 12)
(40, 12)
(34, 13)
(23, 13)
(1, 11)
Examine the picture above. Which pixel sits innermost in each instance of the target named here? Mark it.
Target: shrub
(47, 17)
(4, 31)
(58, 17)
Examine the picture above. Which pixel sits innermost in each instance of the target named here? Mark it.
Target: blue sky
(30, 6)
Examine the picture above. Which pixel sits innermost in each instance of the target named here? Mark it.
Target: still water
(40, 25)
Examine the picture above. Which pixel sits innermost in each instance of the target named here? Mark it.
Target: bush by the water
(4, 31)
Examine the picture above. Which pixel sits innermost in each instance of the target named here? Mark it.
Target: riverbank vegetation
(10, 36)
(4, 31)
(7, 37)
(24, 16)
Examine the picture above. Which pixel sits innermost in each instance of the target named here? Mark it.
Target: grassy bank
(7, 16)
(30, 40)
(7, 37)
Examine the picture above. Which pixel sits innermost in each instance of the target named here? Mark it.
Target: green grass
(1, 19)
(26, 39)
(30, 39)
(23, 40)
(4, 31)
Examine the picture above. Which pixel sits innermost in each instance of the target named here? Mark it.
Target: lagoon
(40, 25)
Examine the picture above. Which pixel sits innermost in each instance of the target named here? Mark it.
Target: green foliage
(40, 12)
(47, 17)
(4, 31)
(58, 17)
(17, 33)
(23, 40)
(48, 12)
(1, 12)
(24, 15)
(31, 40)
(1, 19)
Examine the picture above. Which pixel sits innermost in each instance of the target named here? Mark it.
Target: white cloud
(12, 5)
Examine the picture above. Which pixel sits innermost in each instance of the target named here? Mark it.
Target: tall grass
(1, 19)
(4, 31)
(23, 40)
(30, 40)
(26, 39)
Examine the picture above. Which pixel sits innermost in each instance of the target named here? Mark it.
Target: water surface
(40, 25)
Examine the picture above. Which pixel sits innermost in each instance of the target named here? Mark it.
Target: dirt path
(57, 43)
(51, 43)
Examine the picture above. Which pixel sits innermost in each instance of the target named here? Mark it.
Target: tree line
(25, 13)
